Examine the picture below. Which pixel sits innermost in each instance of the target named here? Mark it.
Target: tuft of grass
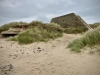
(91, 38)
(76, 45)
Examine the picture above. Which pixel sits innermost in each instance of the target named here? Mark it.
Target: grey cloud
(44, 10)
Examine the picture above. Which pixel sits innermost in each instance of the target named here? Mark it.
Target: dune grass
(39, 33)
(91, 38)
(6, 27)
(95, 25)
(73, 30)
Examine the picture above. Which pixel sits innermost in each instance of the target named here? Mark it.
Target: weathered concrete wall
(69, 20)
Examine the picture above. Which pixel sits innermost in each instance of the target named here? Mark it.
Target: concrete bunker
(14, 31)
(10, 32)
(71, 20)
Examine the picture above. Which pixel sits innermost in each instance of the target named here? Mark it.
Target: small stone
(22, 52)
(8, 73)
(7, 68)
(10, 66)
(39, 48)
(5, 73)
(16, 55)
(14, 58)
(28, 62)
(1, 47)
(33, 51)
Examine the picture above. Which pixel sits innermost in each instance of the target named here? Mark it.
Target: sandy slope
(51, 58)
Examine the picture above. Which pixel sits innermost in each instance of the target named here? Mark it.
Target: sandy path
(51, 58)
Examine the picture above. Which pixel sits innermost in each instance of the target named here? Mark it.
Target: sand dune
(50, 58)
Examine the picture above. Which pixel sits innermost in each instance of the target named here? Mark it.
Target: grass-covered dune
(38, 32)
(91, 38)
(6, 27)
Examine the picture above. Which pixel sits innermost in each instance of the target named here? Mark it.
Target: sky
(45, 10)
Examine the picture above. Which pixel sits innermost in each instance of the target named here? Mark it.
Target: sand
(50, 58)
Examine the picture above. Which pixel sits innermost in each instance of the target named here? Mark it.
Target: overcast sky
(45, 10)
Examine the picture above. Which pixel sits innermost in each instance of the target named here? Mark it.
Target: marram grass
(6, 27)
(40, 33)
(91, 38)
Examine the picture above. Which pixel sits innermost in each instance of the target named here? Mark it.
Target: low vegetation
(38, 32)
(95, 25)
(73, 30)
(69, 30)
(91, 38)
(6, 27)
